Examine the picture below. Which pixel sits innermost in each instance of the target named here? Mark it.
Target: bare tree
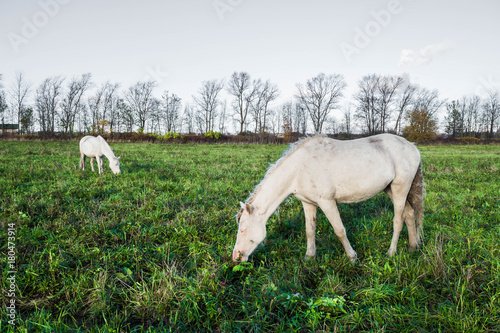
(428, 100)
(20, 90)
(287, 115)
(155, 116)
(491, 110)
(256, 105)
(275, 120)
(72, 102)
(366, 99)
(208, 103)
(95, 105)
(171, 106)
(471, 115)
(47, 102)
(244, 91)
(378, 98)
(346, 125)
(265, 94)
(111, 106)
(189, 118)
(270, 92)
(141, 101)
(299, 119)
(404, 103)
(3, 104)
(320, 96)
(125, 114)
(222, 117)
(103, 107)
(83, 121)
(387, 87)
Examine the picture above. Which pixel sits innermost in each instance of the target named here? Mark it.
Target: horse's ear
(248, 208)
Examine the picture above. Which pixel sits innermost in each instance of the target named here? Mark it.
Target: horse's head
(114, 165)
(251, 232)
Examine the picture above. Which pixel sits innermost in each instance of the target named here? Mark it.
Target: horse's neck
(272, 190)
(106, 149)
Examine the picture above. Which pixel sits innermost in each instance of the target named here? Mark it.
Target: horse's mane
(287, 153)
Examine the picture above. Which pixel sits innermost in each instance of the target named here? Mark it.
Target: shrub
(422, 126)
(469, 140)
(213, 135)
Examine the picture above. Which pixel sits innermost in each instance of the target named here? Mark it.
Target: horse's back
(354, 170)
(89, 145)
(381, 148)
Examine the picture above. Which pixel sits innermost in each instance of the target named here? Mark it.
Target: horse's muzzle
(239, 256)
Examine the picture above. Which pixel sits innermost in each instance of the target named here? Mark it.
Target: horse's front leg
(99, 164)
(310, 213)
(82, 161)
(329, 207)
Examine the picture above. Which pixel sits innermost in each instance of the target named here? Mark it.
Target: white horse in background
(97, 147)
(322, 172)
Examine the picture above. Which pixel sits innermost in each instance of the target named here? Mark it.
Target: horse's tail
(416, 201)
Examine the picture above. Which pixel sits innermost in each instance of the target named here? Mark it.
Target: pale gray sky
(447, 45)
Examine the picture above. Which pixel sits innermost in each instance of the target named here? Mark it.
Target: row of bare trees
(381, 104)
(382, 101)
(472, 116)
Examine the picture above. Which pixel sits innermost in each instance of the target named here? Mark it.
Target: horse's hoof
(353, 259)
(391, 253)
(413, 248)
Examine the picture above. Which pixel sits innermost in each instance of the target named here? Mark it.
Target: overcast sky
(452, 46)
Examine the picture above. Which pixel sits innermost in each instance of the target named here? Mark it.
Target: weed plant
(150, 249)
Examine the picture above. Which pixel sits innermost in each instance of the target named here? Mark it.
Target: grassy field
(150, 249)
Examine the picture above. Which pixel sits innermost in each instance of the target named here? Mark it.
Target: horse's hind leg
(409, 219)
(310, 213)
(329, 207)
(92, 163)
(399, 195)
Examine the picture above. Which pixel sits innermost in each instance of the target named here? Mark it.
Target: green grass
(150, 249)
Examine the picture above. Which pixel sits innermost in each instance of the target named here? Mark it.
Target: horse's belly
(362, 186)
(90, 151)
(358, 192)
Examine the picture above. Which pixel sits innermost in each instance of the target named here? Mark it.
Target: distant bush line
(155, 138)
(210, 138)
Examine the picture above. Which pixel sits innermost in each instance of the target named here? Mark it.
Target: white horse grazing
(96, 148)
(322, 172)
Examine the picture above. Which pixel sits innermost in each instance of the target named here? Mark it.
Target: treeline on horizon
(65, 107)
